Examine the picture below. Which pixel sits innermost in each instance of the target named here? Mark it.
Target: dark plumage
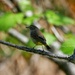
(37, 36)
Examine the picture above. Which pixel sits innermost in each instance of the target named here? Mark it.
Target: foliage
(9, 20)
(68, 46)
(31, 19)
(58, 19)
(49, 38)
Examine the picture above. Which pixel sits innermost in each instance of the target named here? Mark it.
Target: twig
(41, 52)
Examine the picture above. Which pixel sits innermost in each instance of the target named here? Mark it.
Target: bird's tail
(48, 48)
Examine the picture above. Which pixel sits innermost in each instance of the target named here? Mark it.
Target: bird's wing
(41, 37)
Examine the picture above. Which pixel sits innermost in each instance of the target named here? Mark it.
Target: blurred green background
(54, 20)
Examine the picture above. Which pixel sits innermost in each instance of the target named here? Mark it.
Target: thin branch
(41, 52)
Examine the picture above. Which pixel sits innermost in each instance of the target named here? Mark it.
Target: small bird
(37, 36)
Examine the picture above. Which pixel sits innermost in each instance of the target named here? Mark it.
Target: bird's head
(31, 27)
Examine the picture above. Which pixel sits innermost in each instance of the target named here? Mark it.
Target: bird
(37, 36)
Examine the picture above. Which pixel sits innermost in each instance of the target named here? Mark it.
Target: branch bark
(37, 51)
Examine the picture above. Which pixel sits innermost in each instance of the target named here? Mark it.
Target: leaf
(18, 18)
(29, 20)
(68, 46)
(31, 43)
(58, 19)
(9, 20)
(49, 38)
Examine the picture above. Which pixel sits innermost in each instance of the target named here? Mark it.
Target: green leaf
(30, 43)
(29, 20)
(9, 20)
(18, 18)
(58, 19)
(49, 38)
(68, 46)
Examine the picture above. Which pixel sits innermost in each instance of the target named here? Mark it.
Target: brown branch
(41, 52)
